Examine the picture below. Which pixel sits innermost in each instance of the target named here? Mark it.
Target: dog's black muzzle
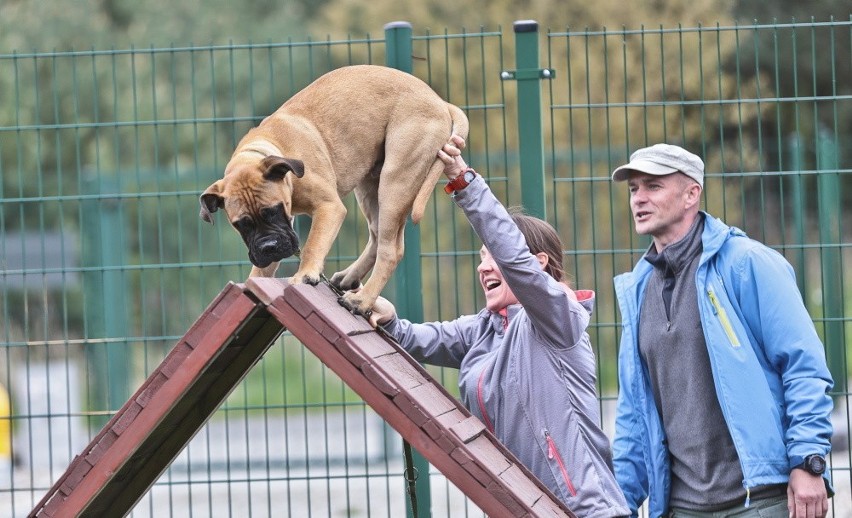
(273, 247)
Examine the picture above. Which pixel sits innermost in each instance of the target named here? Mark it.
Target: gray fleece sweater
(532, 384)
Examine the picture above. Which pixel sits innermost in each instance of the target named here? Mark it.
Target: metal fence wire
(104, 263)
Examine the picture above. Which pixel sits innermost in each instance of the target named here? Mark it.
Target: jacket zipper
(481, 400)
(732, 336)
(723, 318)
(553, 453)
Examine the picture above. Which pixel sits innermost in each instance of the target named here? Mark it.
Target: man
(723, 408)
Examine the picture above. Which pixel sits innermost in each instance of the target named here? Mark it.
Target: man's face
(663, 207)
(498, 294)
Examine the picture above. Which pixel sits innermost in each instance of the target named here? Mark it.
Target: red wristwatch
(460, 182)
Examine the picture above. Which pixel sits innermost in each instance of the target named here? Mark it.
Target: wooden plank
(464, 459)
(364, 348)
(515, 481)
(398, 367)
(468, 430)
(429, 401)
(485, 453)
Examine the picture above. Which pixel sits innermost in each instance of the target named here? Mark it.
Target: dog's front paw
(306, 278)
(357, 304)
(338, 280)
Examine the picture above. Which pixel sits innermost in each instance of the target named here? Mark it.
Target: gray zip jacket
(532, 384)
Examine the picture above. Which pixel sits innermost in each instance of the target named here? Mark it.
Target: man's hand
(806, 495)
(383, 312)
(454, 164)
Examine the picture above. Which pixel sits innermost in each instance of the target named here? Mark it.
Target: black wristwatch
(814, 464)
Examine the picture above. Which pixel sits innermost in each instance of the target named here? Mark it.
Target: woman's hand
(454, 164)
(383, 312)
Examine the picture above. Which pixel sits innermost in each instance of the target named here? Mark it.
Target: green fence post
(829, 236)
(530, 141)
(105, 298)
(408, 283)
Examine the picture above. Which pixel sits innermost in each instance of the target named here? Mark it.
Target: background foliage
(86, 117)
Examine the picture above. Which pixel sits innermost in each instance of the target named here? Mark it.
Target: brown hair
(541, 237)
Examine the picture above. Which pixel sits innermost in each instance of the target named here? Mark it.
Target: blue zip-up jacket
(532, 383)
(754, 323)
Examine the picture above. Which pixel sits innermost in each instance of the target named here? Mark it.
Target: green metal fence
(104, 263)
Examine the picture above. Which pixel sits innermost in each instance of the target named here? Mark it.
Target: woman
(526, 367)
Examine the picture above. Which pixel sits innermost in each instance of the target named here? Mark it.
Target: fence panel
(104, 262)
(771, 131)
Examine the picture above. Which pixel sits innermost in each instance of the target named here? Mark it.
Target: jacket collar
(715, 234)
(675, 257)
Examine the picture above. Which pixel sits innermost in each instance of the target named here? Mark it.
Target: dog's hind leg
(362, 301)
(367, 196)
(397, 189)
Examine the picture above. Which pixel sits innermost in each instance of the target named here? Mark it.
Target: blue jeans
(774, 507)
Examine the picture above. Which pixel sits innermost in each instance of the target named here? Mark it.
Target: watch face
(469, 176)
(815, 464)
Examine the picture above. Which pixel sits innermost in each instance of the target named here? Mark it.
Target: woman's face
(498, 294)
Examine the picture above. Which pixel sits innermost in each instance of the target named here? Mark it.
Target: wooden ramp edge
(133, 449)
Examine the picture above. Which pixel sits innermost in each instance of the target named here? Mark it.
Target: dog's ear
(277, 167)
(211, 200)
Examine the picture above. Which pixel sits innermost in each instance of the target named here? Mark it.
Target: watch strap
(459, 182)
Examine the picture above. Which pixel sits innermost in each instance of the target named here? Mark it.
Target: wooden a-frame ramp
(128, 455)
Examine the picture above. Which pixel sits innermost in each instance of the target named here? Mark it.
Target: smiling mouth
(641, 215)
(490, 285)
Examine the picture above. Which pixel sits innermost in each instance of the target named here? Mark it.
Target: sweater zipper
(553, 453)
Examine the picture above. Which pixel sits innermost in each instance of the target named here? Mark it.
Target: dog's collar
(262, 148)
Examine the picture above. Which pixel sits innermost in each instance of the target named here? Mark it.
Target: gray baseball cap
(662, 159)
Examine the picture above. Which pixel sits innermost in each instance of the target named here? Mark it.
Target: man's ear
(211, 200)
(277, 167)
(693, 194)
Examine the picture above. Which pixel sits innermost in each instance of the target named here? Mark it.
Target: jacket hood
(715, 234)
(586, 298)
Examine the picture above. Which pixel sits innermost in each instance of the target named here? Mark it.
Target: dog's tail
(459, 127)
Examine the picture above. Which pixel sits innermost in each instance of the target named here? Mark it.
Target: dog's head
(257, 197)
